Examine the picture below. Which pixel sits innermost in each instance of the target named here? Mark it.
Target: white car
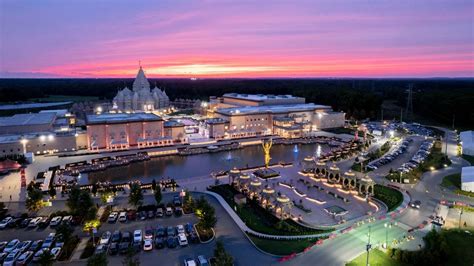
(169, 211)
(183, 241)
(11, 245)
(55, 252)
(11, 258)
(148, 245)
(122, 217)
(113, 217)
(137, 236)
(34, 222)
(105, 238)
(67, 219)
(4, 223)
(180, 229)
(189, 262)
(56, 221)
(202, 261)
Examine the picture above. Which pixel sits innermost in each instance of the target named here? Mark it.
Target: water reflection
(201, 164)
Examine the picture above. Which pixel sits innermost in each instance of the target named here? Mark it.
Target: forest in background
(435, 101)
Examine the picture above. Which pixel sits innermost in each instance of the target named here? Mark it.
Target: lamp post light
(387, 226)
(368, 247)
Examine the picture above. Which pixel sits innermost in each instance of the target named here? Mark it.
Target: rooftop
(27, 119)
(173, 123)
(273, 109)
(259, 97)
(109, 118)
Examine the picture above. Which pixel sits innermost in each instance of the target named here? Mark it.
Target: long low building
(244, 115)
(467, 179)
(467, 142)
(112, 131)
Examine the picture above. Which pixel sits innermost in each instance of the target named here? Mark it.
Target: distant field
(62, 98)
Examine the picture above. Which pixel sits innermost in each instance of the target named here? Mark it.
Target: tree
(153, 184)
(34, 199)
(98, 260)
(222, 257)
(46, 259)
(94, 189)
(130, 258)
(52, 192)
(65, 231)
(136, 195)
(81, 204)
(208, 219)
(158, 196)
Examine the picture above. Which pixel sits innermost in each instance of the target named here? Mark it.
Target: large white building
(467, 179)
(140, 98)
(248, 115)
(467, 140)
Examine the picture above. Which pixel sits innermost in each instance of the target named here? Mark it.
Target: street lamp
(23, 142)
(387, 226)
(368, 247)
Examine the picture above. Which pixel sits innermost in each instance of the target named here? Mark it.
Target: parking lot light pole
(387, 226)
(368, 247)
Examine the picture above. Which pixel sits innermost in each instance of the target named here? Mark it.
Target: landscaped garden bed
(204, 235)
(283, 247)
(261, 220)
(390, 196)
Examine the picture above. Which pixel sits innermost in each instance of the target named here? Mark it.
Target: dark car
(189, 228)
(36, 245)
(415, 204)
(114, 248)
(151, 214)
(25, 223)
(160, 231)
(15, 222)
(125, 243)
(177, 201)
(178, 211)
(142, 215)
(116, 237)
(159, 242)
(137, 246)
(3, 244)
(171, 231)
(172, 242)
(193, 238)
(44, 222)
(131, 215)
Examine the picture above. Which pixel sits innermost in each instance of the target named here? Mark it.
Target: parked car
(112, 217)
(122, 217)
(172, 242)
(39, 253)
(25, 245)
(189, 262)
(25, 223)
(49, 241)
(11, 245)
(56, 252)
(131, 215)
(148, 233)
(142, 215)
(36, 245)
(67, 220)
(138, 236)
(160, 231)
(180, 229)
(148, 245)
(189, 228)
(178, 211)
(101, 248)
(11, 258)
(4, 223)
(202, 261)
(159, 242)
(183, 241)
(3, 256)
(116, 236)
(125, 242)
(151, 214)
(159, 212)
(105, 238)
(170, 231)
(34, 222)
(114, 248)
(25, 258)
(169, 211)
(44, 222)
(15, 222)
(177, 201)
(3, 244)
(56, 221)
(193, 238)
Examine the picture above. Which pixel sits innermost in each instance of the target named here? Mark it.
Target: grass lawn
(461, 250)
(376, 258)
(454, 181)
(391, 197)
(468, 158)
(261, 220)
(282, 247)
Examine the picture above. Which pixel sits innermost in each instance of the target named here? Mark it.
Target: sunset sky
(333, 38)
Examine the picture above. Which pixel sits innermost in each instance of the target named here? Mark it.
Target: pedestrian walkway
(79, 249)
